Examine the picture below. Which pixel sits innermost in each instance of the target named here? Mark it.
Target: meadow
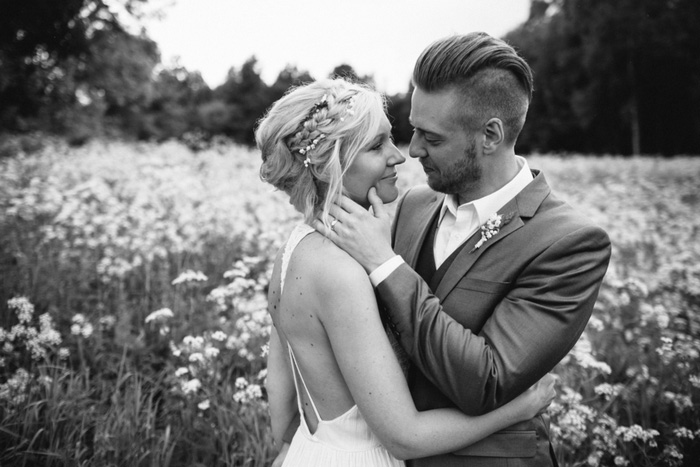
(133, 321)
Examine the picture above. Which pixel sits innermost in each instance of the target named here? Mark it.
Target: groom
(492, 278)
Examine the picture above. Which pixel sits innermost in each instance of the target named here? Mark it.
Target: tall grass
(133, 323)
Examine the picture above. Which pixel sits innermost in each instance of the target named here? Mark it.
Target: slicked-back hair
(492, 78)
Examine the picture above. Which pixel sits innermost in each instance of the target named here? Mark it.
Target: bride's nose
(396, 158)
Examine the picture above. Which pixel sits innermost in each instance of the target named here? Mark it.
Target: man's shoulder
(420, 192)
(419, 195)
(557, 218)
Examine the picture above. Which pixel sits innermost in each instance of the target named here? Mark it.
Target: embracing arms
(531, 328)
(528, 333)
(377, 384)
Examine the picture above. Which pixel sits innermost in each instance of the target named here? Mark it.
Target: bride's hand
(364, 235)
(536, 399)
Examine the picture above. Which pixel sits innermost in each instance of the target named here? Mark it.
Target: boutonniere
(492, 227)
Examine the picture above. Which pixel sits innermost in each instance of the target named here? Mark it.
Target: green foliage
(51, 52)
(619, 78)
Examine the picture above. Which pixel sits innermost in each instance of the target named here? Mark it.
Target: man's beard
(460, 175)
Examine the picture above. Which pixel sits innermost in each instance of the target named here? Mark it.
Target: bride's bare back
(299, 316)
(328, 313)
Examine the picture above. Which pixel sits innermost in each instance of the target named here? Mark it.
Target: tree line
(610, 77)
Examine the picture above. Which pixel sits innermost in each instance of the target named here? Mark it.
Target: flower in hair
(310, 147)
(349, 110)
(317, 107)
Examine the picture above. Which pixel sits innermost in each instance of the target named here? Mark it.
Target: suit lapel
(410, 245)
(523, 206)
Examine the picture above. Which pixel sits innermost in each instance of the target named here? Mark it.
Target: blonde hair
(325, 123)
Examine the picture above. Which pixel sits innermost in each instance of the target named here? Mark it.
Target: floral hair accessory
(492, 227)
(316, 108)
(310, 147)
(322, 104)
(349, 110)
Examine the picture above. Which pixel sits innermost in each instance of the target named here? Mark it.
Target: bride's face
(375, 167)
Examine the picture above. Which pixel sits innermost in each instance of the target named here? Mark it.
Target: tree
(50, 51)
(289, 77)
(618, 77)
(245, 95)
(347, 72)
(173, 107)
(399, 108)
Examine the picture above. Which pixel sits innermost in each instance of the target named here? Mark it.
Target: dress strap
(296, 370)
(299, 232)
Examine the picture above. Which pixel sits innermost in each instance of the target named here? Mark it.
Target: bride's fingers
(376, 202)
(327, 229)
(349, 205)
(338, 213)
(321, 227)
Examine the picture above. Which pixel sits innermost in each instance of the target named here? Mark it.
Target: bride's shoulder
(328, 262)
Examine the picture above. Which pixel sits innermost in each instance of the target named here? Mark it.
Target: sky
(382, 38)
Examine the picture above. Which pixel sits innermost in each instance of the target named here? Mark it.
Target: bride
(331, 359)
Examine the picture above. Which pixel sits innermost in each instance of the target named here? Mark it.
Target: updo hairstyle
(329, 122)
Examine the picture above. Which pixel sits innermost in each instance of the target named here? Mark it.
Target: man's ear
(493, 135)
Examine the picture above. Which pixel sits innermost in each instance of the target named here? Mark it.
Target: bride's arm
(281, 393)
(377, 383)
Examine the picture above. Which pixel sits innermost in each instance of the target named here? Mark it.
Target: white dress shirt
(457, 223)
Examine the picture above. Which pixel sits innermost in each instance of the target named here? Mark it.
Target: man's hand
(363, 235)
(280, 457)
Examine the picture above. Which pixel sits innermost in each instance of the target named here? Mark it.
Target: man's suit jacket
(500, 318)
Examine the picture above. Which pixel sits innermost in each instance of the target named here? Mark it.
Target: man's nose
(415, 149)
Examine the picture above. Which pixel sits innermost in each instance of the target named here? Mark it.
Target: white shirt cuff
(377, 276)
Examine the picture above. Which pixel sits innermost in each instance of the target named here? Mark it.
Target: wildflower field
(133, 315)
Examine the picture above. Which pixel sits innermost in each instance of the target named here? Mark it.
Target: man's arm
(529, 332)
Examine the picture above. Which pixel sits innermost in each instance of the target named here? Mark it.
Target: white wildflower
(23, 308)
(196, 357)
(78, 319)
(191, 386)
(219, 336)
(159, 316)
(683, 433)
(204, 405)
(190, 276)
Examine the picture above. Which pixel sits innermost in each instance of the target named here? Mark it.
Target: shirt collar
(490, 204)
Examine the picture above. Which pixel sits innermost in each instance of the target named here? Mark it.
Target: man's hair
(492, 78)
(310, 136)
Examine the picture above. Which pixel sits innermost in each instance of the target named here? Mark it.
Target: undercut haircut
(492, 78)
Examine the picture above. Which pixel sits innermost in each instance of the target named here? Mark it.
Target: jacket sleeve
(531, 329)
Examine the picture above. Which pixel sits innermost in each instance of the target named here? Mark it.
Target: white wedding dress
(345, 441)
